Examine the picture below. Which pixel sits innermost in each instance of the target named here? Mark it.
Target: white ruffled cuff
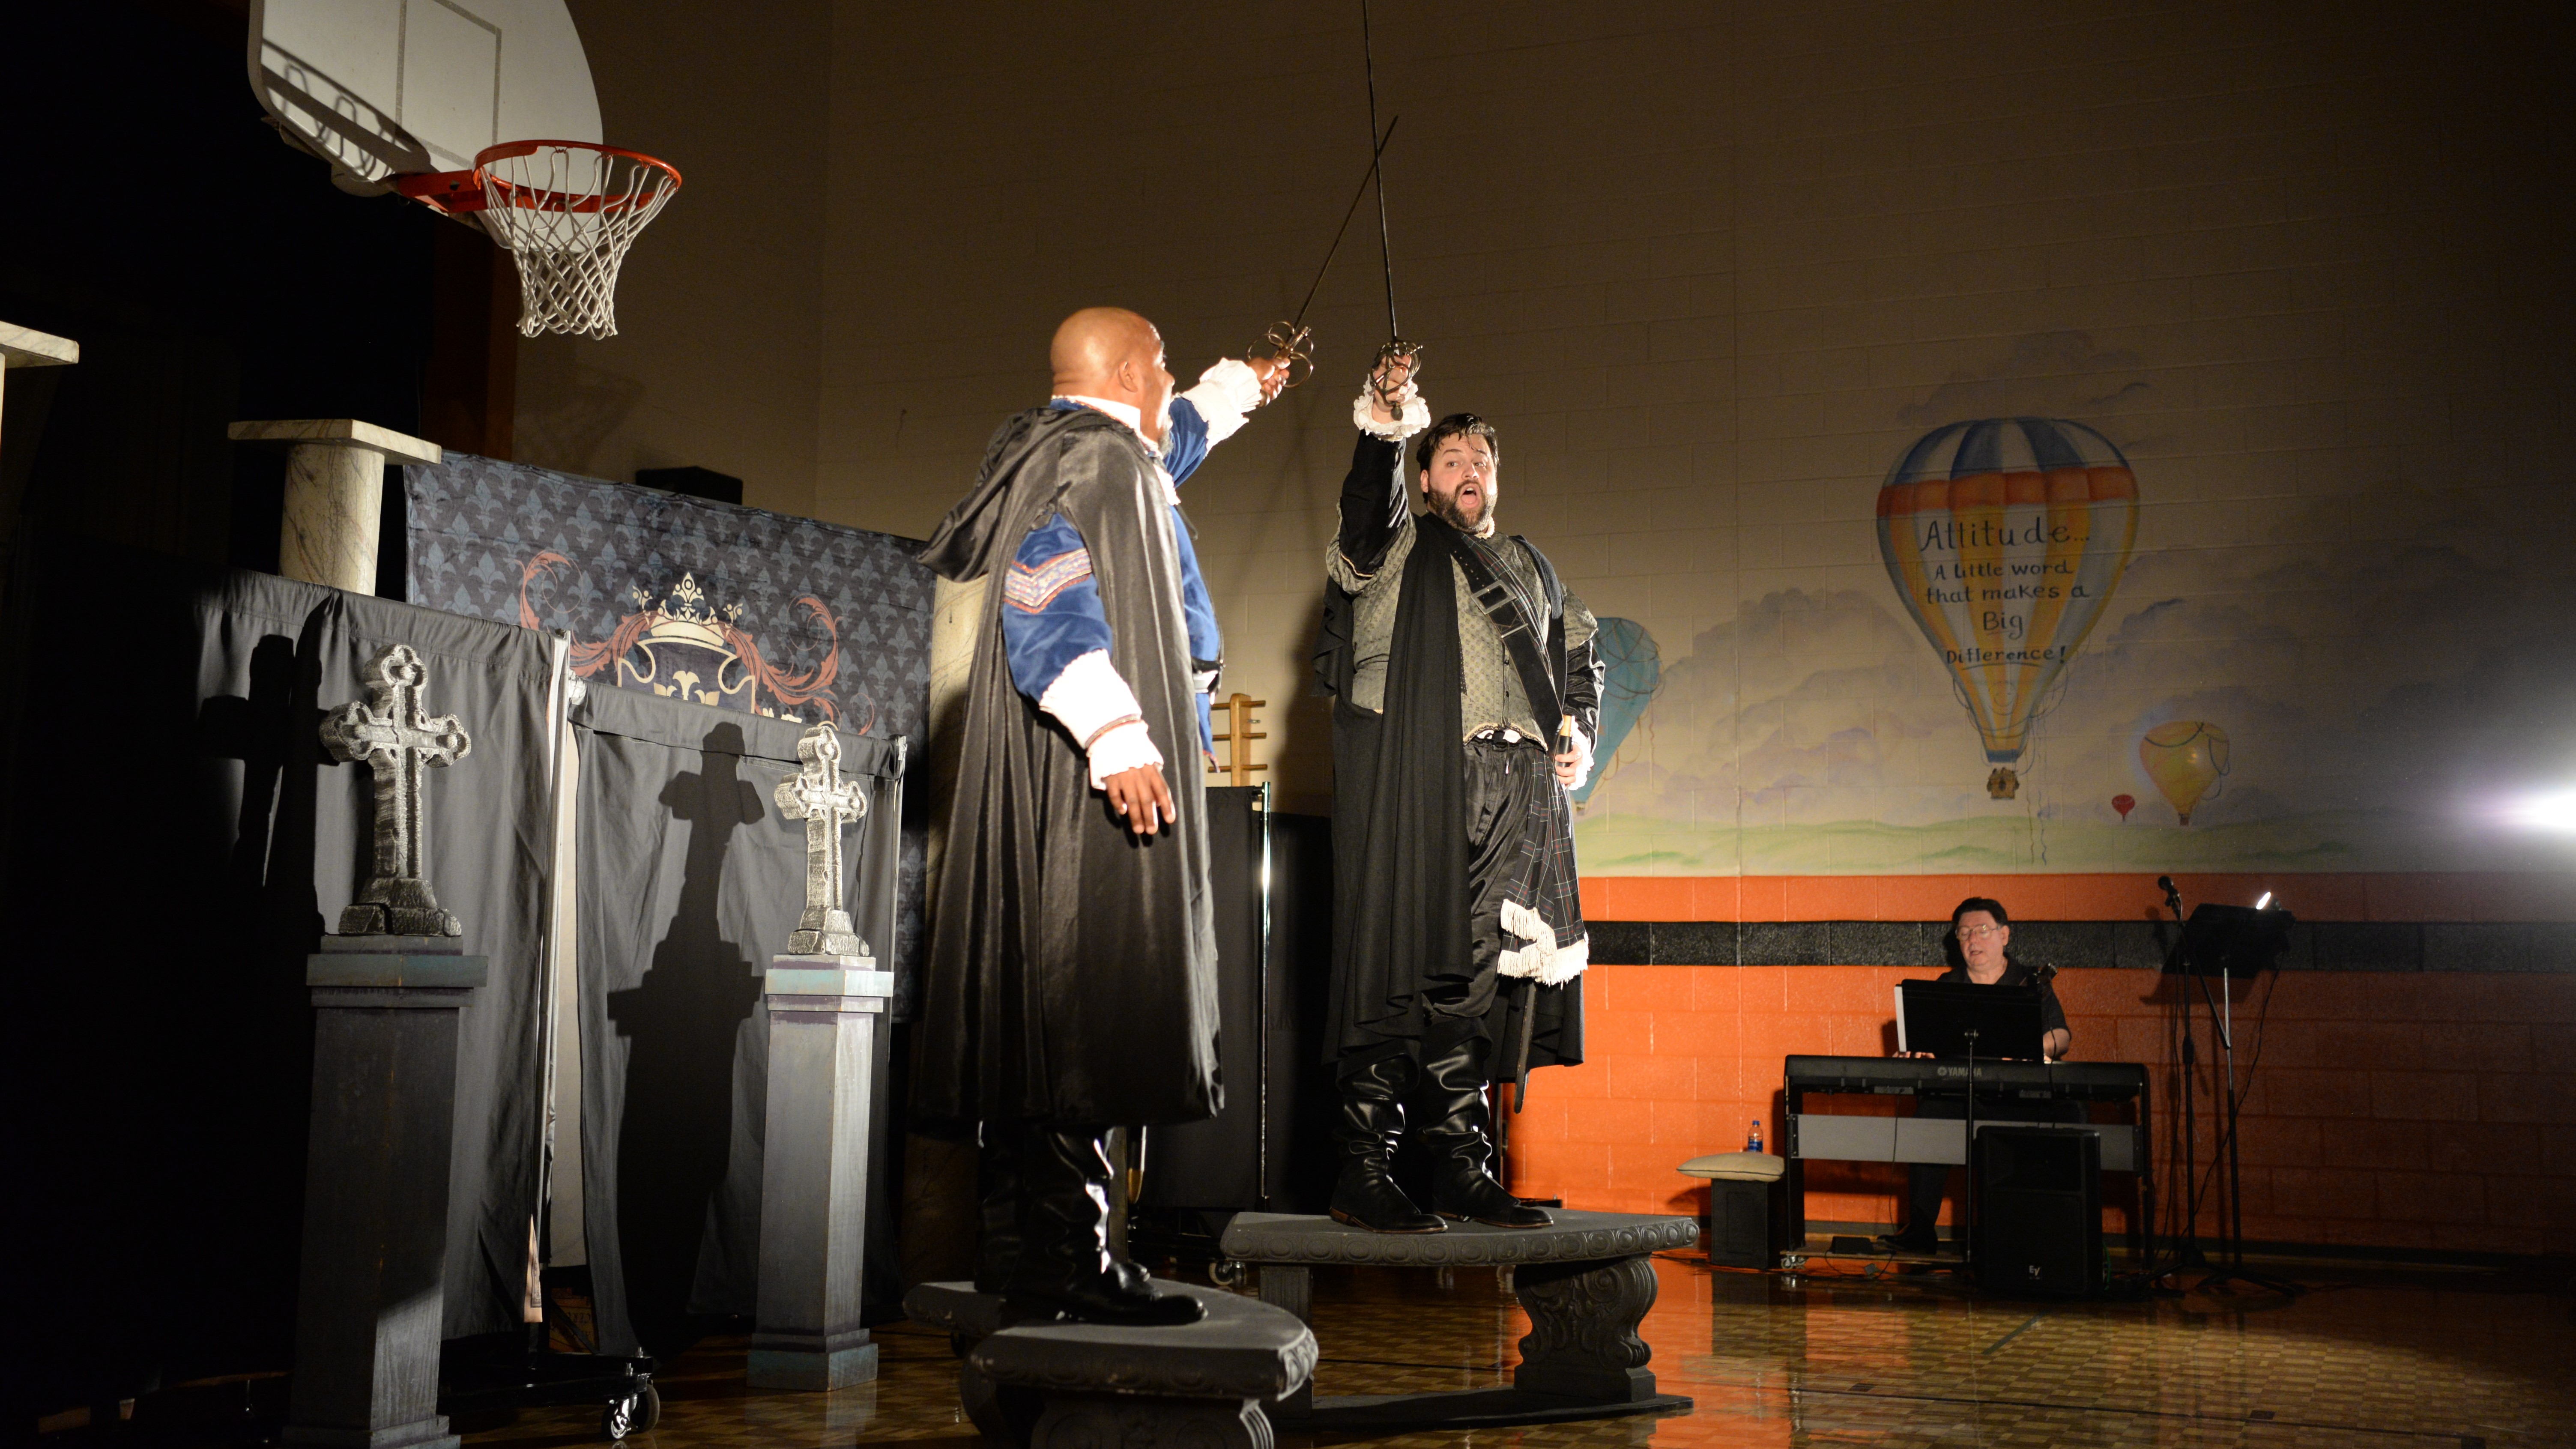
(1415, 417)
(1227, 393)
(1121, 748)
(1582, 758)
(1088, 697)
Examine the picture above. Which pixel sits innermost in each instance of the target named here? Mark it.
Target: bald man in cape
(1072, 969)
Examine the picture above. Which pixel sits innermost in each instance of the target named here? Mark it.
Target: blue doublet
(1052, 614)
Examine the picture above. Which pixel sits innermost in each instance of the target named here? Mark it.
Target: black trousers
(1931, 1180)
(1502, 780)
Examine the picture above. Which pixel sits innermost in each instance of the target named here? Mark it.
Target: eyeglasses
(1978, 933)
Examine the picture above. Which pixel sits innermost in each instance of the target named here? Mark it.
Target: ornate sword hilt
(1395, 352)
(1291, 346)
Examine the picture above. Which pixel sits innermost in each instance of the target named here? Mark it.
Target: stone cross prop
(399, 745)
(819, 796)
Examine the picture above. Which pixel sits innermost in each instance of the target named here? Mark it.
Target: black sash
(1509, 609)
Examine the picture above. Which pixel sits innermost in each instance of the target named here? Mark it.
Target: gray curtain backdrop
(520, 544)
(690, 880)
(157, 1033)
(177, 841)
(488, 863)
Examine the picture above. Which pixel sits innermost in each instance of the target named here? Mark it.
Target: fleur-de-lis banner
(716, 604)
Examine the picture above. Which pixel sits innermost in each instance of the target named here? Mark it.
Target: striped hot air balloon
(2005, 537)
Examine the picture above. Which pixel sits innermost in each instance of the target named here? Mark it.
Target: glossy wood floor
(2466, 1359)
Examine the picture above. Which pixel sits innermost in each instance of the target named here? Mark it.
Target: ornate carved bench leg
(1114, 1421)
(1002, 1415)
(1583, 1341)
(1289, 1286)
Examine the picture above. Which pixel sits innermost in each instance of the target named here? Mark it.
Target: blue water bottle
(1753, 1139)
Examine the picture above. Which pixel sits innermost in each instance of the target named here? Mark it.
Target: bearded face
(1461, 483)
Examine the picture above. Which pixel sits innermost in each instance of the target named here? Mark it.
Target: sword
(1290, 342)
(1396, 349)
(1520, 1054)
(1529, 993)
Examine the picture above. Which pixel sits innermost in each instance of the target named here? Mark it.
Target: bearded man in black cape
(1468, 700)
(1072, 969)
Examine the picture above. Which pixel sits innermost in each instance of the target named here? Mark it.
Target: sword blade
(1358, 195)
(1385, 249)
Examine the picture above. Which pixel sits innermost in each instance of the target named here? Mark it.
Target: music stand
(2226, 942)
(1963, 1019)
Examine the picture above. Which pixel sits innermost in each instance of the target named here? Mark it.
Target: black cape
(1071, 975)
(1400, 924)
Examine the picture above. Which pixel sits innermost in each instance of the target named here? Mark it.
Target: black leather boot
(997, 1196)
(1372, 1114)
(1065, 1269)
(1454, 1119)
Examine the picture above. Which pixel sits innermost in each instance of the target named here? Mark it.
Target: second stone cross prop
(819, 796)
(399, 745)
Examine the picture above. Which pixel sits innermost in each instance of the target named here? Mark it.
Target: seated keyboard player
(1980, 930)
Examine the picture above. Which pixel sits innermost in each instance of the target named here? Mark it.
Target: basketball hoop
(567, 210)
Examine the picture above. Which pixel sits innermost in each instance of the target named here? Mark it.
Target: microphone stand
(1968, 1199)
(2187, 1254)
(2234, 1204)
(2231, 1207)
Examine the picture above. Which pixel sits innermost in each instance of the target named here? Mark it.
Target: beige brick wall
(1711, 266)
(716, 361)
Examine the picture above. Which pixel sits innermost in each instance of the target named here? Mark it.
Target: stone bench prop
(1093, 1384)
(1586, 1283)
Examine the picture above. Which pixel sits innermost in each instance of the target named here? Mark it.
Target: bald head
(1112, 353)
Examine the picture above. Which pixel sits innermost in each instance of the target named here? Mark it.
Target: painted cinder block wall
(1710, 265)
(2418, 1109)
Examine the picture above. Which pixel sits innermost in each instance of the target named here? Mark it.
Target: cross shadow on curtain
(680, 1024)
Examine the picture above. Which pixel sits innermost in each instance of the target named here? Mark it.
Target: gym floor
(2462, 1358)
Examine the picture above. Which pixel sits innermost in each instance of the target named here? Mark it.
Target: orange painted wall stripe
(2314, 896)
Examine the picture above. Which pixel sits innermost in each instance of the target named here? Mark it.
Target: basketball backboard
(381, 88)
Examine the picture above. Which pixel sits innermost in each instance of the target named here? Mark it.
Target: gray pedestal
(1095, 1386)
(1586, 1282)
(369, 1293)
(823, 1017)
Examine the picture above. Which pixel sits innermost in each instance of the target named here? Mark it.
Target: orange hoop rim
(531, 199)
(458, 192)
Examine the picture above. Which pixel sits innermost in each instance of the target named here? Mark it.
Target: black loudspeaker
(1745, 1222)
(1271, 876)
(2039, 1210)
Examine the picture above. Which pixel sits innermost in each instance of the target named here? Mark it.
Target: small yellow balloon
(2184, 757)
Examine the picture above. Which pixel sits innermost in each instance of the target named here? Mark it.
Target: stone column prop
(26, 347)
(825, 997)
(387, 990)
(335, 493)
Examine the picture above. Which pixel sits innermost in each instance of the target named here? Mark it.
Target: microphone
(2173, 898)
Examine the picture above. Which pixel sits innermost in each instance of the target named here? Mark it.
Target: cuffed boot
(997, 1196)
(1454, 1123)
(1065, 1268)
(1365, 1196)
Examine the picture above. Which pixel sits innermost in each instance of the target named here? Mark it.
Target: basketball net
(568, 210)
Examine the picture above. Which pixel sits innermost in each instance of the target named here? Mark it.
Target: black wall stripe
(2531, 946)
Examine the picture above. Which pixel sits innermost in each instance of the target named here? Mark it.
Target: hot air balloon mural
(2184, 757)
(1633, 667)
(2005, 537)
